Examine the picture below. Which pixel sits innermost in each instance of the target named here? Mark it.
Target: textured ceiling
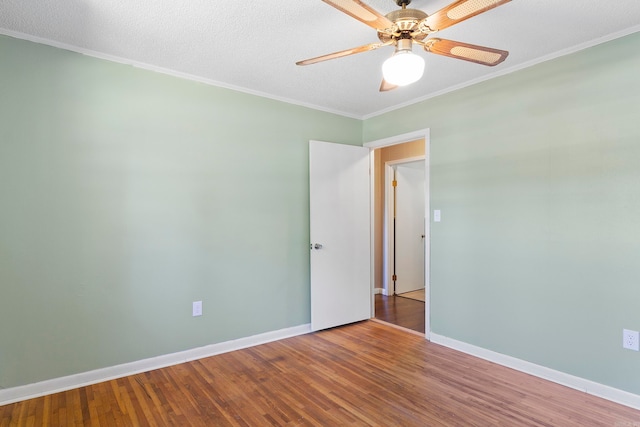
(253, 45)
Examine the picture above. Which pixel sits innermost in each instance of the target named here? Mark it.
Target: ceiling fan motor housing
(405, 22)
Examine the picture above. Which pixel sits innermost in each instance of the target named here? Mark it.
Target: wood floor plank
(404, 312)
(365, 374)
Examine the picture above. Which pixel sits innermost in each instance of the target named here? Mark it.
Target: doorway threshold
(411, 331)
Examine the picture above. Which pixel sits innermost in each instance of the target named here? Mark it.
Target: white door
(340, 234)
(410, 241)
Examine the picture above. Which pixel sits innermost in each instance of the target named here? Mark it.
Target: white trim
(372, 233)
(400, 139)
(55, 385)
(388, 245)
(590, 387)
(405, 160)
(378, 291)
(427, 234)
(502, 72)
(169, 72)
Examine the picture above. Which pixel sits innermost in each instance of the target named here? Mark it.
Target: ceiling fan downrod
(403, 3)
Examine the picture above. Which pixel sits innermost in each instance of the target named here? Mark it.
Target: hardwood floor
(364, 374)
(404, 312)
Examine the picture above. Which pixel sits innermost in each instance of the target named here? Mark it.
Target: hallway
(405, 312)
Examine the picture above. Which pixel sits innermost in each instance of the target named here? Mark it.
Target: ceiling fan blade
(386, 86)
(468, 52)
(360, 49)
(458, 11)
(362, 12)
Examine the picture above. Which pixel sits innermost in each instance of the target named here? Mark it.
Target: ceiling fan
(405, 27)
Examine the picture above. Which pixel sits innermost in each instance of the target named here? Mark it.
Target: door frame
(388, 244)
(395, 140)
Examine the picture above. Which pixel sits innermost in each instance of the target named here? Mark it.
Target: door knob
(317, 246)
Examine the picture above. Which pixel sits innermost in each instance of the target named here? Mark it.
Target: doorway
(407, 154)
(404, 209)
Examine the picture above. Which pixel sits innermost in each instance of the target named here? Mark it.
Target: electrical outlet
(630, 340)
(197, 308)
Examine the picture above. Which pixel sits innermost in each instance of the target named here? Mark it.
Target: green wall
(537, 174)
(127, 194)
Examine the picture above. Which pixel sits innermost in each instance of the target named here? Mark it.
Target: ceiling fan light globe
(403, 68)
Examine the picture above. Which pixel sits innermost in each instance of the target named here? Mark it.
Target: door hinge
(394, 183)
(394, 277)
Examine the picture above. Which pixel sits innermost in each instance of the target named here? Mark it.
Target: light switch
(436, 215)
(197, 308)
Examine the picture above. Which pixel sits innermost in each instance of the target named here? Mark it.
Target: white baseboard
(29, 391)
(587, 386)
(377, 291)
(55, 385)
